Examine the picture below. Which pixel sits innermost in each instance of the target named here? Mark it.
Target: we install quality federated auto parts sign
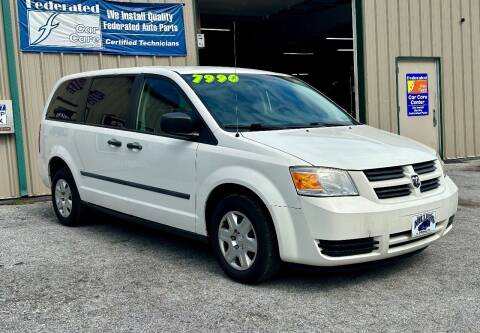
(102, 26)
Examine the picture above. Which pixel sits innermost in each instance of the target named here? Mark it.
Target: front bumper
(300, 231)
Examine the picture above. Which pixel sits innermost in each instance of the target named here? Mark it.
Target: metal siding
(371, 54)
(428, 28)
(475, 17)
(447, 91)
(404, 23)
(393, 48)
(458, 78)
(38, 72)
(8, 162)
(468, 79)
(382, 29)
(416, 39)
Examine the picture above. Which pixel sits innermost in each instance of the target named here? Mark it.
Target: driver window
(159, 96)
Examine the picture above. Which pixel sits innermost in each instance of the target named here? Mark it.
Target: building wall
(8, 163)
(38, 72)
(426, 28)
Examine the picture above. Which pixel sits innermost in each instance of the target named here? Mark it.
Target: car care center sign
(417, 95)
(154, 29)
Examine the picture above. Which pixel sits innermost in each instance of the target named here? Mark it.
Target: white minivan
(260, 164)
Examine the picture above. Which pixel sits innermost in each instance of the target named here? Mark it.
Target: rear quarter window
(68, 102)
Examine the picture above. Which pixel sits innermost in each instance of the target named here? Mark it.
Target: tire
(247, 253)
(65, 199)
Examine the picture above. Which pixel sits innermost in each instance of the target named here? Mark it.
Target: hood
(347, 147)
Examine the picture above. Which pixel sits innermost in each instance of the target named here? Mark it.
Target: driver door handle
(134, 146)
(114, 143)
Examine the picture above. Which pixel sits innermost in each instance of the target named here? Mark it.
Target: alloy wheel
(237, 240)
(63, 198)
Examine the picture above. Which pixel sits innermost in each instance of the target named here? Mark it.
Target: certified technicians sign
(102, 26)
(417, 95)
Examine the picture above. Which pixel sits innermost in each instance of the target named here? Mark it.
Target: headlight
(442, 165)
(322, 182)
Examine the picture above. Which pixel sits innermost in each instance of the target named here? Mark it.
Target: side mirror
(178, 124)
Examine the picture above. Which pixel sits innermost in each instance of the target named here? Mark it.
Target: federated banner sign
(417, 95)
(78, 26)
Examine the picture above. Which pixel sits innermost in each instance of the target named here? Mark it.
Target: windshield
(265, 102)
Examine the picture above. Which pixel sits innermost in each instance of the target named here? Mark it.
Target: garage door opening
(310, 39)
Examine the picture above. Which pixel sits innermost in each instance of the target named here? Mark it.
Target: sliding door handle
(134, 146)
(114, 143)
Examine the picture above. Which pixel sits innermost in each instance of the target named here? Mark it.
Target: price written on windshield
(210, 78)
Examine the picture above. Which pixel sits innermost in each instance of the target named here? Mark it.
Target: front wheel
(244, 240)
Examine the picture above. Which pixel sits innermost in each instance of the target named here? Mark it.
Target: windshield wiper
(322, 124)
(260, 127)
(253, 127)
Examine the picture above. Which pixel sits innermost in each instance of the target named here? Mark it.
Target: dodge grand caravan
(260, 164)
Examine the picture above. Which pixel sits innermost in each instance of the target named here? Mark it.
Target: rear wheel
(65, 198)
(244, 240)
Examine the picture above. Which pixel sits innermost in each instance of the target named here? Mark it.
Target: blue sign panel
(3, 115)
(102, 26)
(417, 95)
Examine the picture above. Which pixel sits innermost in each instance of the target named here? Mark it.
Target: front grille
(375, 175)
(425, 167)
(429, 185)
(348, 247)
(393, 191)
(395, 182)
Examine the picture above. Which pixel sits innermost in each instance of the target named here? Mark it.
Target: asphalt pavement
(112, 276)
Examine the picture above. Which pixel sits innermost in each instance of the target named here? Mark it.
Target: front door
(418, 98)
(163, 166)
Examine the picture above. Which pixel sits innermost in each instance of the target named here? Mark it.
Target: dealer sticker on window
(423, 224)
(211, 78)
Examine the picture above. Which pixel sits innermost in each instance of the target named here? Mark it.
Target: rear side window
(68, 102)
(108, 101)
